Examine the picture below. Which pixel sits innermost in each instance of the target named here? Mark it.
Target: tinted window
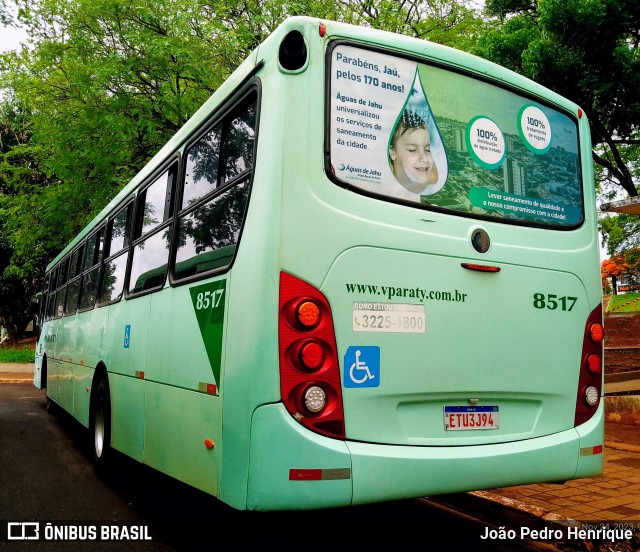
(150, 251)
(73, 293)
(155, 203)
(89, 289)
(113, 278)
(237, 145)
(120, 230)
(201, 174)
(75, 266)
(211, 219)
(64, 272)
(149, 264)
(94, 247)
(207, 235)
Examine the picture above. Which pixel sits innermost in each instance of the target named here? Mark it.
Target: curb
(20, 377)
(621, 446)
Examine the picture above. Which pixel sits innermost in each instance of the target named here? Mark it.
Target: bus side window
(209, 228)
(150, 253)
(51, 301)
(45, 297)
(238, 141)
(91, 272)
(61, 294)
(201, 172)
(75, 274)
(115, 266)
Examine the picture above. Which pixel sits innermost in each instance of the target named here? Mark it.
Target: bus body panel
(482, 339)
(127, 346)
(69, 378)
(286, 461)
(250, 371)
(125, 359)
(66, 339)
(46, 347)
(591, 433)
(38, 380)
(251, 348)
(53, 384)
(192, 355)
(183, 383)
(177, 423)
(82, 381)
(92, 326)
(128, 397)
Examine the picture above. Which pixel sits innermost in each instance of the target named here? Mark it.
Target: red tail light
(309, 367)
(590, 380)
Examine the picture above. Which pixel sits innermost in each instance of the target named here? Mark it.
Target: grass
(17, 355)
(625, 302)
(23, 351)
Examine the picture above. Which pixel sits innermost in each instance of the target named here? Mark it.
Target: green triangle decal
(208, 305)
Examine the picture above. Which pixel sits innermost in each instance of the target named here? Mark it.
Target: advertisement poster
(420, 133)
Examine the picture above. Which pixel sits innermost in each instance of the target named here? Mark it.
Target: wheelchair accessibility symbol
(362, 367)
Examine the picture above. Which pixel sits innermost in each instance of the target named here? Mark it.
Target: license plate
(458, 418)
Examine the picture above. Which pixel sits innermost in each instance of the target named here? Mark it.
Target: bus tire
(101, 428)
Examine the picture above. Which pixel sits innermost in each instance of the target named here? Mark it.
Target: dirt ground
(26, 343)
(621, 355)
(622, 343)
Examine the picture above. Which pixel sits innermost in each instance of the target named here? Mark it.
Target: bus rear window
(411, 132)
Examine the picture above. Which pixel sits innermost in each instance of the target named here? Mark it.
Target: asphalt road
(47, 476)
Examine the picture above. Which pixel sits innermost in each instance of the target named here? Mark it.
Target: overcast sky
(11, 37)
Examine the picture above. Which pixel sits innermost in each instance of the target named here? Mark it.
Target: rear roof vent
(293, 51)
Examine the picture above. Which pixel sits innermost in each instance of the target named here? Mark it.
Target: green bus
(365, 270)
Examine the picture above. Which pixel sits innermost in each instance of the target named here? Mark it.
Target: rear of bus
(440, 319)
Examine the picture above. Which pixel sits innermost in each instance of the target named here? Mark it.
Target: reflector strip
(319, 474)
(590, 451)
(480, 268)
(209, 388)
(139, 374)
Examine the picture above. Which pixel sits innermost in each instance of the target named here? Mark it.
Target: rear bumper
(292, 468)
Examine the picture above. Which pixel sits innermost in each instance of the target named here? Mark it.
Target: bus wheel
(101, 428)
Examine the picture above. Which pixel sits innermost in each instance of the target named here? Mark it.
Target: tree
(21, 180)
(449, 22)
(613, 268)
(621, 232)
(5, 16)
(623, 265)
(104, 84)
(586, 50)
